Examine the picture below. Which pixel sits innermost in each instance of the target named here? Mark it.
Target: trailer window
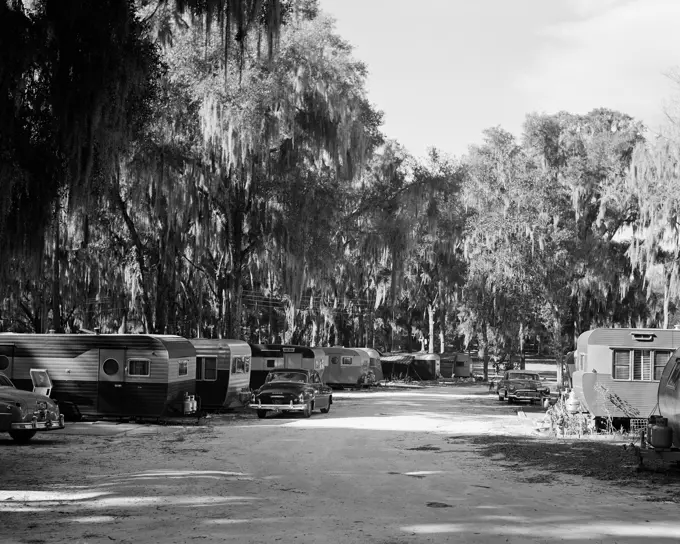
(642, 365)
(206, 369)
(246, 364)
(238, 366)
(346, 360)
(621, 365)
(673, 378)
(271, 363)
(138, 367)
(183, 368)
(335, 360)
(110, 367)
(660, 360)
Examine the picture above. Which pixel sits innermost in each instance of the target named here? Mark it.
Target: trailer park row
(614, 373)
(160, 376)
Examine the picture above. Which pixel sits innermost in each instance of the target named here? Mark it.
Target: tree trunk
(443, 319)
(430, 315)
(56, 276)
(667, 297)
(484, 350)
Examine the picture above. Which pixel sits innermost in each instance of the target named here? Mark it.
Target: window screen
(138, 367)
(206, 369)
(621, 365)
(660, 360)
(642, 365)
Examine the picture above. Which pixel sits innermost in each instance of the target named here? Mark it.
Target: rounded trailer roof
(372, 353)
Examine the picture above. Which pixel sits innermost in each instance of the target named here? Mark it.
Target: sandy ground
(445, 464)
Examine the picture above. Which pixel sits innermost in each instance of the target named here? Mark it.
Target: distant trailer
(396, 366)
(106, 375)
(346, 366)
(425, 366)
(267, 357)
(374, 365)
(455, 365)
(617, 371)
(223, 370)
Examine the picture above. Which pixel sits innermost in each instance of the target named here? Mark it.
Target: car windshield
(523, 376)
(5, 381)
(287, 377)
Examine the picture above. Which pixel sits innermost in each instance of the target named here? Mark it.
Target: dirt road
(448, 464)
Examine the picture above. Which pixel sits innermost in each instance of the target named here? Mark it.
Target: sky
(442, 71)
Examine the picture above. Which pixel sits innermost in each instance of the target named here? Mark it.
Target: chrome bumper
(290, 407)
(35, 425)
(527, 395)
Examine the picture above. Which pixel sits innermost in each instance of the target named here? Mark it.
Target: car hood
(9, 394)
(283, 387)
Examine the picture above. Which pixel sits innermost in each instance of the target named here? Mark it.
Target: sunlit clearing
(15, 504)
(569, 531)
(399, 403)
(186, 473)
(236, 521)
(40, 496)
(415, 423)
(423, 472)
(401, 394)
(91, 519)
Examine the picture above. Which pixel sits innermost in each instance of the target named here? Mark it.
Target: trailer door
(7, 360)
(111, 390)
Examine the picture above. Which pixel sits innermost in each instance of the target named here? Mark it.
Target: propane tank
(194, 403)
(659, 434)
(572, 404)
(187, 403)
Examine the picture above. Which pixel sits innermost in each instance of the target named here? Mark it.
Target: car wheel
(327, 408)
(308, 410)
(262, 414)
(500, 396)
(22, 436)
(509, 399)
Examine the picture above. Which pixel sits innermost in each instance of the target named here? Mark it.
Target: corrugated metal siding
(640, 395)
(669, 399)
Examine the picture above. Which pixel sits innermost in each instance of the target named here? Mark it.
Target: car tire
(501, 397)
(327, 408)
(262, 414)
(307, 412)
(22, 436)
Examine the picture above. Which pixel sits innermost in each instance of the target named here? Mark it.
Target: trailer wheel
(262, 414)
(21, 436)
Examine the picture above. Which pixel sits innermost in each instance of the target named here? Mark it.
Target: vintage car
(522, 385)
(23, 413)
(292, 390)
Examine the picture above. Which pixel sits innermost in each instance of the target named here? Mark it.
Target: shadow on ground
(599, 458)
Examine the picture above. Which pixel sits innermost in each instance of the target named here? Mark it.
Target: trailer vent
(643, 337)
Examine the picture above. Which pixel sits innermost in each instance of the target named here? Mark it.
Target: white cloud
(615, 57)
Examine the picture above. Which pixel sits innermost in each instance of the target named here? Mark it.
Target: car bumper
(290, 407)
(35, 425)
(527, 395)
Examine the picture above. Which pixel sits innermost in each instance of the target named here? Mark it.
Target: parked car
(23, 413)
(522, 385)
(292, 390)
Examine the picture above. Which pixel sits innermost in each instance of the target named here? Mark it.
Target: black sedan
(292, 390)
